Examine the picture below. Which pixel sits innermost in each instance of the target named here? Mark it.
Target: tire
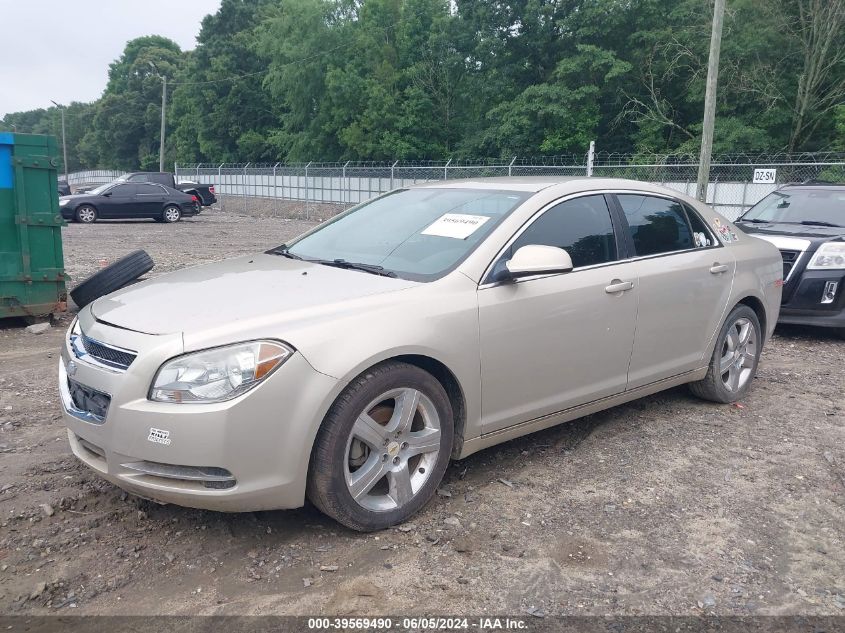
(171, 214)
(726, 381)
(112, 278)
(86, 214)
(347, 448)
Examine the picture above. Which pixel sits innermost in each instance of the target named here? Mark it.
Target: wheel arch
(436, 368)
(450, 384)
(759, 309)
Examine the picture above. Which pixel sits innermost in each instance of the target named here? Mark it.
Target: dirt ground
(667, 505)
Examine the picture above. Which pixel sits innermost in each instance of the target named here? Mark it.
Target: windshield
(416, 233)
(122, 178)
(796, 206)
(100, 189)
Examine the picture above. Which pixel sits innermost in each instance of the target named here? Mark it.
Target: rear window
(657, 225)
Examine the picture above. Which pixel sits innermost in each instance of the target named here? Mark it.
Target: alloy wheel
(739, 354)
(392, 449)
(171, 214)
(86, 214)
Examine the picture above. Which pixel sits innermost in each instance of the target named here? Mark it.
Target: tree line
(336, 80)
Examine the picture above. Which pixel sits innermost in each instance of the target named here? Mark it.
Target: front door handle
(618, 285)
(718, 269)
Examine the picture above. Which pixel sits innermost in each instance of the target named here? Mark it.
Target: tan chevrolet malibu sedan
(351, 364)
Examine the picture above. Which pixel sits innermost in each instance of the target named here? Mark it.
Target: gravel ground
(667, 505)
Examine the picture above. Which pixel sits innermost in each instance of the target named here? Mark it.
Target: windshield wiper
(283, 251)
(755, 220)
(367, 268)
(821, 223)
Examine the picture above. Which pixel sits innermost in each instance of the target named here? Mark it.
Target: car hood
(245, 291)
(791, 230)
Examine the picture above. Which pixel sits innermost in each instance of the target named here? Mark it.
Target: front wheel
(171, 214)
(383, 448)
(86, 214)
(735, 358)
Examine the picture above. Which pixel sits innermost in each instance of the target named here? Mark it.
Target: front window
(415, 233)
(581, 226)
(823, 207)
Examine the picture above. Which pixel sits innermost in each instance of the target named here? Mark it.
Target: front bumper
(804, 304)
(250, 453)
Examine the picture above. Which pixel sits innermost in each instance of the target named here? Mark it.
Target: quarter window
(581, 226)
(702, 236)
(657, 225)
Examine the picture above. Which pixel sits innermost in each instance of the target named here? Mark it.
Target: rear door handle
(618, 286)
(718, 268)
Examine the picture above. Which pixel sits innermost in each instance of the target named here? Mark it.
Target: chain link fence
(319, 187)
(92, 177)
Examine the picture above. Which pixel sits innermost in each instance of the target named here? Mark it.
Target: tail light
(211, 189)
(194, 199)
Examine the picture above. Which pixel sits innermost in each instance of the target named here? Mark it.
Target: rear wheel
(383, 448)
(86, 214)
(171, 213)
(735, 358)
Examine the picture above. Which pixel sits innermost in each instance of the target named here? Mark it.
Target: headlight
(830, 255)
(63, 202)
(217, 374)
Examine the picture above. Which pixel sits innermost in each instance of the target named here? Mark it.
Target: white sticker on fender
(456, 225)
(159, 436)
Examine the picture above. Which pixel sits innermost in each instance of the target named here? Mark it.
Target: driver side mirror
(107, 194)
(535, 259)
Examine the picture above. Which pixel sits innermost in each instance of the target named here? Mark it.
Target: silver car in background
(350, 365)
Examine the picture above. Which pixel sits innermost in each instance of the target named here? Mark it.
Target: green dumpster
(32, 273)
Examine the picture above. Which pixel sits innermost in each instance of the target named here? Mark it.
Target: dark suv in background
(807, 224)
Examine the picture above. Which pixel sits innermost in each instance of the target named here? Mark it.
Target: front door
(121, 202)
(552, 342)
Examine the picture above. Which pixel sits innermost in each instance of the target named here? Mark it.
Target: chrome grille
(107, 355)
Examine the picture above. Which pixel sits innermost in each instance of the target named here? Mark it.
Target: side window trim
(485, 278)
(629, 239)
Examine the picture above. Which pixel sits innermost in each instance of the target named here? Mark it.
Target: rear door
(685, 278)
(151, 198)
(551, 342)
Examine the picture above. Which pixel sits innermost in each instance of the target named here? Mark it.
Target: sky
(60, 50)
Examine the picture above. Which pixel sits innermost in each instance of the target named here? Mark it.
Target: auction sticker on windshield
(456, 225)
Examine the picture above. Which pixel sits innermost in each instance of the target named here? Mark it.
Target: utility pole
(710, 100)
(163, 111)
(64, 144)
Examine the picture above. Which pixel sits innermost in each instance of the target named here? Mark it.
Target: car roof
(536, 184)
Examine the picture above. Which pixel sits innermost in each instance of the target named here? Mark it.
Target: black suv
(807, 223)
